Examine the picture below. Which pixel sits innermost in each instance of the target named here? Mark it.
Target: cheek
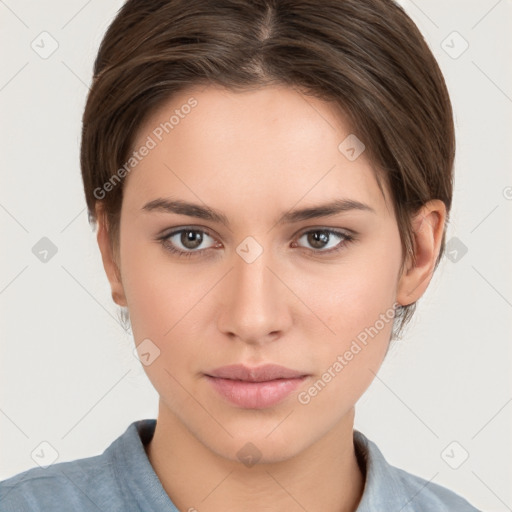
(360, 314)
(356, 303)
(164, 302)
(351, 295)
(154, 291)
(168, 304)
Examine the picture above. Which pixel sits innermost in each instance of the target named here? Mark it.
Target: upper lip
(262, 373)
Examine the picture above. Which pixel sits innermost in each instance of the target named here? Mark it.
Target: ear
(109, 261)
(428, 227)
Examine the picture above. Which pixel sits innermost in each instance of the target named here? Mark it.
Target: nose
(254, 301)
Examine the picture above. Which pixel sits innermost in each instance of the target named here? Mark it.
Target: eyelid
(172, 231)
(343, 231)
(200, 229)
(346, 235)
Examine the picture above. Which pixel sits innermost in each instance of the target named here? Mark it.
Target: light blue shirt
(122, 479)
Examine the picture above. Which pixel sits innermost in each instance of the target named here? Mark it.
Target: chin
(262, 446)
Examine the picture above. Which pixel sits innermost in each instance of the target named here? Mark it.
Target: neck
(324, 476)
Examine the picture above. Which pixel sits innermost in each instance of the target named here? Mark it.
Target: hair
(366, 56)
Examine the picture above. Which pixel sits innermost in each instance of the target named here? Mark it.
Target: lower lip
(255, 395)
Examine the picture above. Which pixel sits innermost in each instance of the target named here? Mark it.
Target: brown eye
(317, 239)
(191, 239)
(185, 241)
(326, 240)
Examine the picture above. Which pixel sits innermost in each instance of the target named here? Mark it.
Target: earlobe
(109, 261)
(428, 228)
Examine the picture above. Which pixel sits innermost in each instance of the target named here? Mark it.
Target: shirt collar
(384, 489)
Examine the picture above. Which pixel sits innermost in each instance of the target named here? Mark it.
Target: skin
(253, 156)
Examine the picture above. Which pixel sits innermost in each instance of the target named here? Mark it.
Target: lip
(255, 387)
(261, 373)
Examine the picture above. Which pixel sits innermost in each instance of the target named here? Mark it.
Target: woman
(271, 181)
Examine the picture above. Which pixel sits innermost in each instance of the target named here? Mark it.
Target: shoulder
(79, 485)
(388, 487)
(429, 496)
(109, 481)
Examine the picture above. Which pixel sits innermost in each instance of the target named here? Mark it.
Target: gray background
(68, 375)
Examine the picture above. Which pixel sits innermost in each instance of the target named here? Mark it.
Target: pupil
(319, 238)
(189, 236)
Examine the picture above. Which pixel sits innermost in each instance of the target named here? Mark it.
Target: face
(256, 284)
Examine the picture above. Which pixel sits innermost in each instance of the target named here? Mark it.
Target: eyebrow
(181, 207)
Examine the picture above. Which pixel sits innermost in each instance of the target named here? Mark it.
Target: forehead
(272, 144)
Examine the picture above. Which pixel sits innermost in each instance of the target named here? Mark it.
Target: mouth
(257, 387)
(264, 373)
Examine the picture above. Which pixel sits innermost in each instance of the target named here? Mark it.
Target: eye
(190, 239)
(320, 239)
(185, 241)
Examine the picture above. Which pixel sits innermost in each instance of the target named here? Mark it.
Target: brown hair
(367, 56)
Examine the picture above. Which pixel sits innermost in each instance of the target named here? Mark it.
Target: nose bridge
(255, 305)
(252, 280)
(251, 276)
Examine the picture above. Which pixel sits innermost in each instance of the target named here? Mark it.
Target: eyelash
(164, 240)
